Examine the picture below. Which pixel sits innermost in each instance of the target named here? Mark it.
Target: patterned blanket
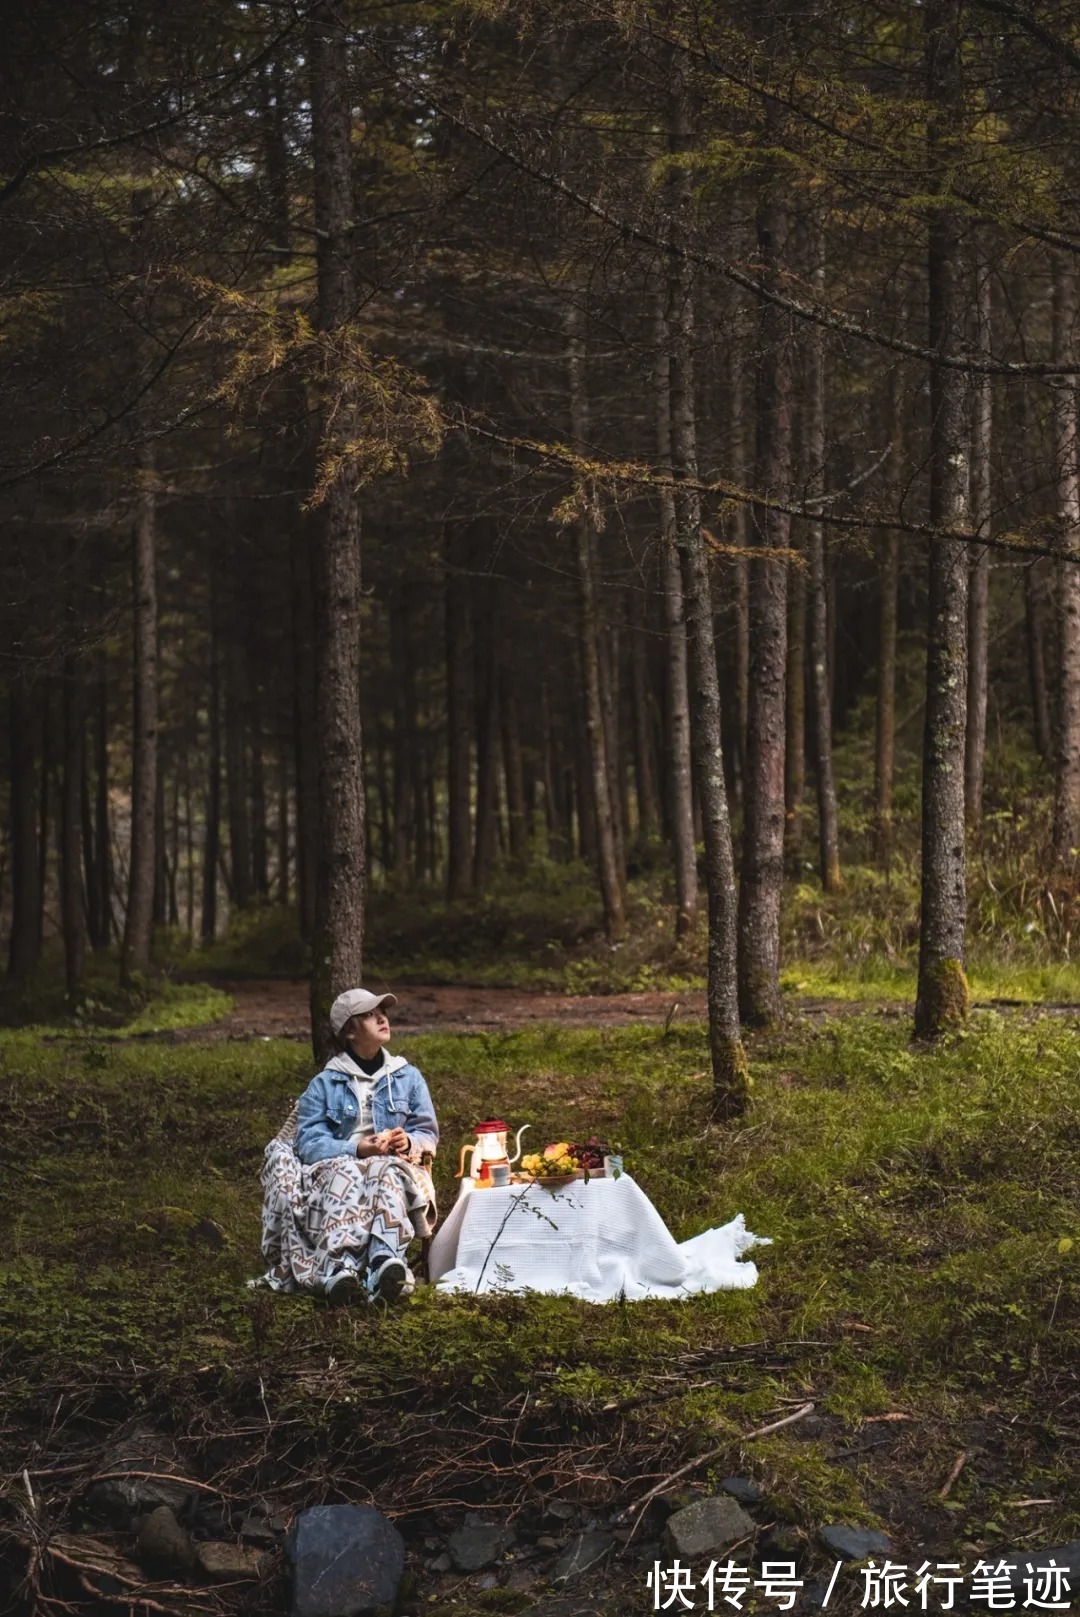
(320, 1220)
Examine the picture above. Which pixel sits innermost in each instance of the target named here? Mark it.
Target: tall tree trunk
(1067, 457)
(337, 950)
(283, 847)
(680, 794)
(942, 998)
(648, 812)
(730, 1071)
(404, 709)
(820, 694)
(24, 948)
(260, 851)
(487, 737)
(888, 589)
(138, 923)
(740, 566)
(212, 829)
(237, 776)
(795, 713)
(763, 832)
(513, 766)
(102, 935)
(1034, 623)
(45, 808)
(982, 426)
(161, 859)
(459, 853)
(607, 851)
(304, 725)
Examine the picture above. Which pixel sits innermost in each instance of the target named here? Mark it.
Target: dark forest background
(455, 387)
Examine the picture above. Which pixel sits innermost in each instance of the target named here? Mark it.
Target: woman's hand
(390, 1143)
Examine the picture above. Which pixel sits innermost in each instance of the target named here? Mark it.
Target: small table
(598, 1239)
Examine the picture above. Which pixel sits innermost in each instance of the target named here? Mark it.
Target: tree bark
(888, 589)
(101, 927)
(237, 776)
(513, 766)
(607, 852)
(1067, 458)
(337, 947)
(763, 833)
(212, 828)
(820, 693)
(680, 793)
(648, 812)
(1034, 619)
(982, 426)
(487, 737)
(304, 726)
(795, 713)
(24, 948)
(138, 923)
(730, 1070)
(459, 855)
(942, 999)
(260, 851)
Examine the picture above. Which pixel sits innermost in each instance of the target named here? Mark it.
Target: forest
(570, 515)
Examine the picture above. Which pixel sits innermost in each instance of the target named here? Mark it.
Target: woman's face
(368, 1034)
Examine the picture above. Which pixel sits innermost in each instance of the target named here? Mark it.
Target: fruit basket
(563, 1164)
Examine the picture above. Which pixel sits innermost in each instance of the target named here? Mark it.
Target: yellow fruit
(552, 1152)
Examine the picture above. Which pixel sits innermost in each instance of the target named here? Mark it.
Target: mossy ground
(927, 1241)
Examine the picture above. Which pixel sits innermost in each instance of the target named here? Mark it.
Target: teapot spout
(517, 1141)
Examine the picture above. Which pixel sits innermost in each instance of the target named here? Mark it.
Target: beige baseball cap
(356, 1002)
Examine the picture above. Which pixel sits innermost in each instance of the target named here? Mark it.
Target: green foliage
(929, 1198)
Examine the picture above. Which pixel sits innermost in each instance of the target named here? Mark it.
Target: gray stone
(488, 1581)
(441, 1563)
(345, 1559)
(229, 1563)
(561, 1510)
(708, 1527)
(584, 1551)
(257, 1530)
(546, 1542)
(163, 1545)
(135, 1477)
(743, 1489)
(1066, 1555)
(855, 1543)
(478, 1545)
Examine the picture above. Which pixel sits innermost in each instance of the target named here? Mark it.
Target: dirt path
(278, 1008)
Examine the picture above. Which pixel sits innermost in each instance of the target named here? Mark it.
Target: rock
(441, 1563)
(134, 1478)
(546, 1542)
(708, 1527)
(584, 1551)
(855, 1543)
(257, 1530)
(810, 1427)
(208, 1517)
(488, 1581)
(229, 1563)
(346, 1559)
(1066, 1555)
(743, 1489)
(560, 1510)
(163, 1546)
(478, 1545)
(101, 1568)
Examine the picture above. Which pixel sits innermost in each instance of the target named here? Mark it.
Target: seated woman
(345, 1183)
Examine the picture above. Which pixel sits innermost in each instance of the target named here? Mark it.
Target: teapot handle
(470, 1145)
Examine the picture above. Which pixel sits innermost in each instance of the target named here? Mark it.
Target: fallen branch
(704, 1459)
(961, 1461)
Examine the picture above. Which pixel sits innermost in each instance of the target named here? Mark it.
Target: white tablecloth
(599, 1240)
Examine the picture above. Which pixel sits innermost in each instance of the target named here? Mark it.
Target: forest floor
(922, 1293)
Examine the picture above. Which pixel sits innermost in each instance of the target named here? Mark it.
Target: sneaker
(387, 1282)
(343, 1289)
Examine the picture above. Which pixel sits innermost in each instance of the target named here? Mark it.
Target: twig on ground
(958, 1466)
(705, 1459)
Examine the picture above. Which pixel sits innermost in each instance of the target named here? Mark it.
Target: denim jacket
(329, 1109)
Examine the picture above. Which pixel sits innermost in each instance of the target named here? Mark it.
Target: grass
(924, 1209)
